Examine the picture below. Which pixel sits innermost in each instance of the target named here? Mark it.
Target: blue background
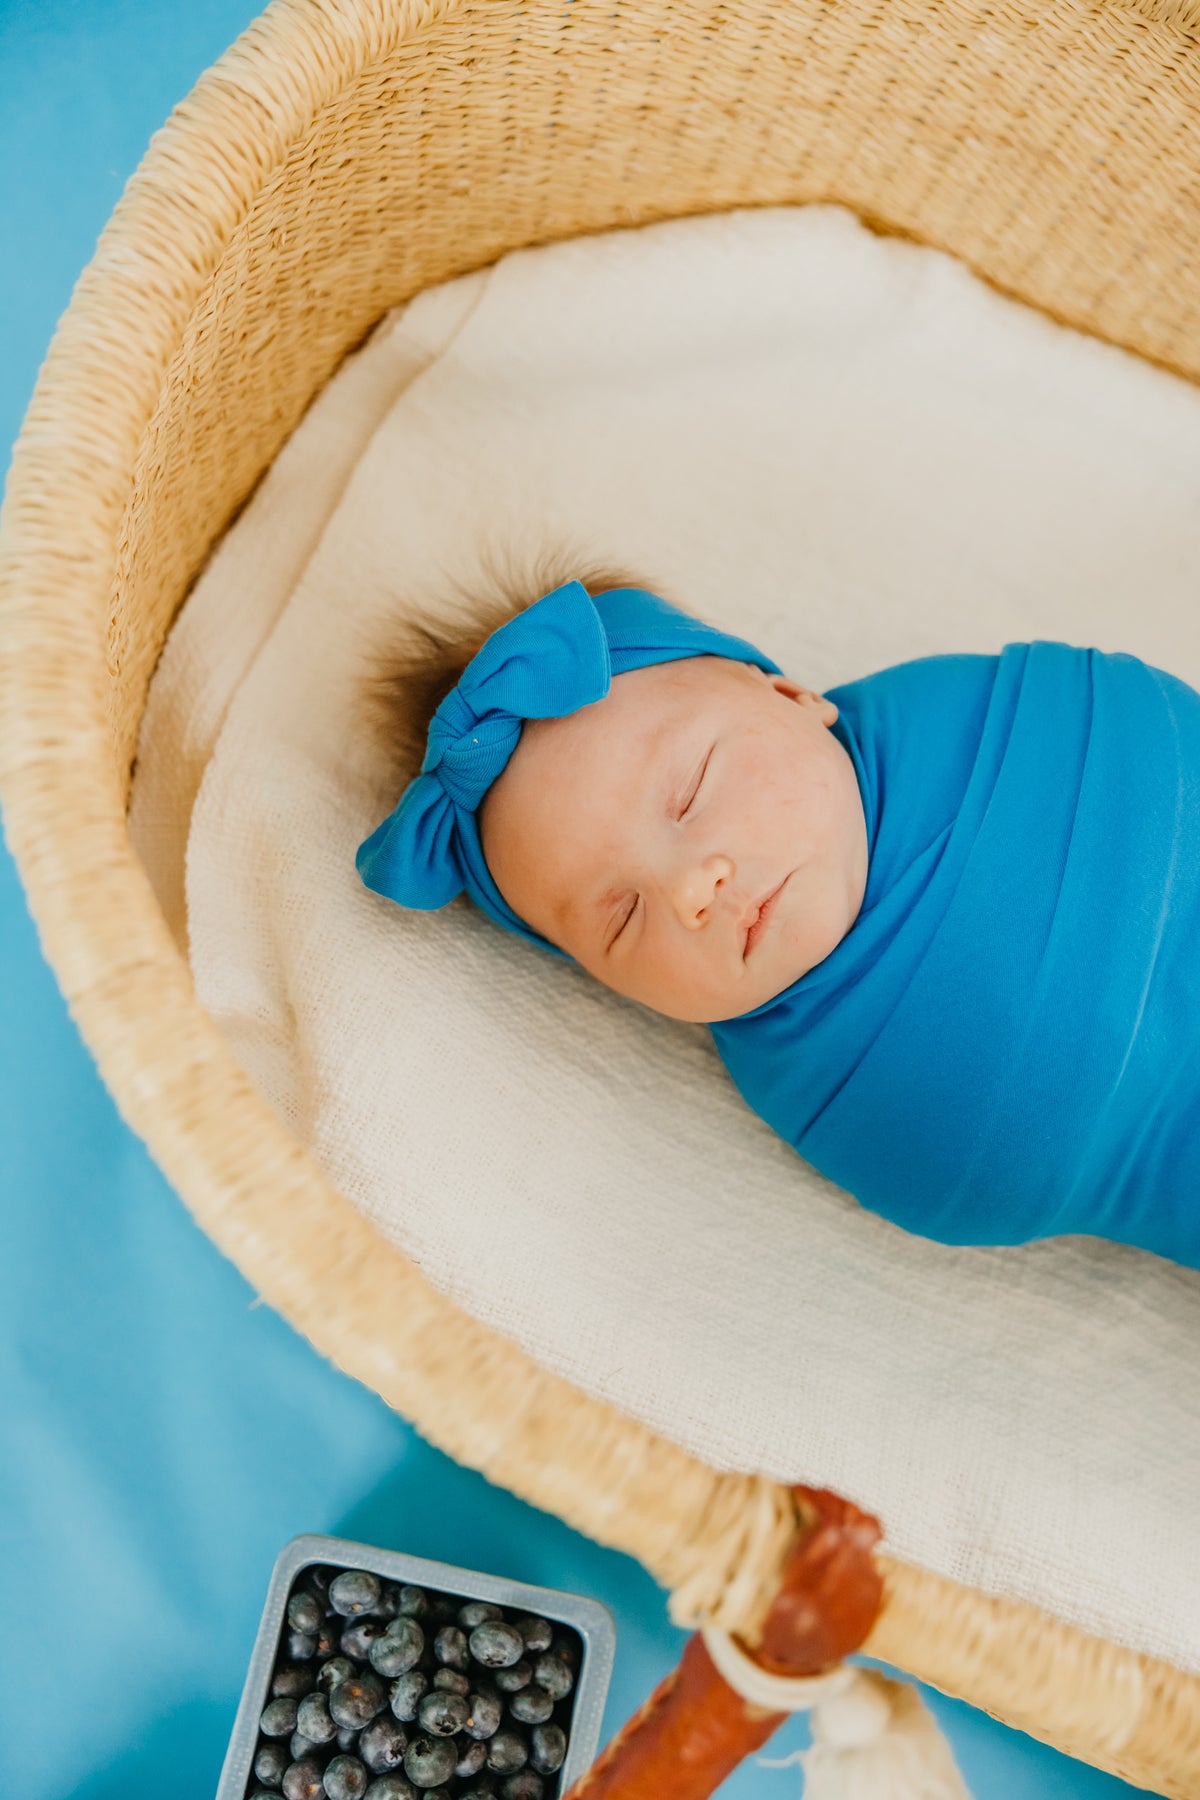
(162, 1433)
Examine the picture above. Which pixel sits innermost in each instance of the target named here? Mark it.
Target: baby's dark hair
(409, 677)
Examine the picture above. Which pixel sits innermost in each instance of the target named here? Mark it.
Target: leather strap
(695, 1729)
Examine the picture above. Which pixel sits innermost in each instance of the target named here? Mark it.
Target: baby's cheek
(783, 813)
(761, 783)
(676, 977)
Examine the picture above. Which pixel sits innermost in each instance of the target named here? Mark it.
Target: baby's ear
(825, 709)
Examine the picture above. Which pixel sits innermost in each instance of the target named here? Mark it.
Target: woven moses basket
(342, 156)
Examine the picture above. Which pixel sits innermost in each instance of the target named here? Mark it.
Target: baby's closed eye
(623, 917)
(695, 784)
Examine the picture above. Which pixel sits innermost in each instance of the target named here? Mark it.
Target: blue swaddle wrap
(1003, 1047)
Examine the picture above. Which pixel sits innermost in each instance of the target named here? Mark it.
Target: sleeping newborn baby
(943, 922)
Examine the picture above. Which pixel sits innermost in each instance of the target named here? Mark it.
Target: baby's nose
(696, 886)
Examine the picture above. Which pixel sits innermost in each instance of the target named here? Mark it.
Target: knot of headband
(557, 656)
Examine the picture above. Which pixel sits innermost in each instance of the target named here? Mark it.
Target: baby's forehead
(641, 713)
(673, 686)
(641, 710)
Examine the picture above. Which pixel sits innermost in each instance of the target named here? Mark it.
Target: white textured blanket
(851, 452)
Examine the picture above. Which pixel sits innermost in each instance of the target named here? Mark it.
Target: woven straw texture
(343, 155)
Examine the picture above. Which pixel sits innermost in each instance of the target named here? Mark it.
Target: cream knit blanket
(852, 452)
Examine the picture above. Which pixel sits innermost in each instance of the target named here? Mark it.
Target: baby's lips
(746, 923)
(751, 917)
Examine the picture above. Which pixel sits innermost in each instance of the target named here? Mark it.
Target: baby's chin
(746, 1000)
(776, 973)
(716, 1003)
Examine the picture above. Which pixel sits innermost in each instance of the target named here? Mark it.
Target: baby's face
(695, 840)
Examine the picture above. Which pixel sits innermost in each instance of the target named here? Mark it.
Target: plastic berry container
(584, 1634)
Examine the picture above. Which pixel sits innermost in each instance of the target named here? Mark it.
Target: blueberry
(382, 1744)
(329, 1638)
(302, 1781)
(485, 1791)
(359, 1635)
(302, 1746)
(305, 1613)
(451, 1681)
(391, 1787)
(475, 1612)
(511, 1681)
(508, 1751)
(450, 1647)
(552, 1673)
(269, 1764)
(532, 1706)
(548, 1747)
(388, 1604)
(353, 1592)
(279, 1717)
(428, 1761)
(526, 1784)
(566, 1645)
(471, 1758)
(413, 1602)
(346, 1779)
(291, 1681)
(496, 1645)
(399, 1649)
(317, 1580)
(301, 1646)
(535, 1630)
(484, 1718)
(335, 1671)
(347, 1738)
(406, 1694)
(314, 1720)
(355, 1702)
(443, 1714)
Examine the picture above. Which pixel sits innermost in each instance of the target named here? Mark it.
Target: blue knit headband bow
(552, 659)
